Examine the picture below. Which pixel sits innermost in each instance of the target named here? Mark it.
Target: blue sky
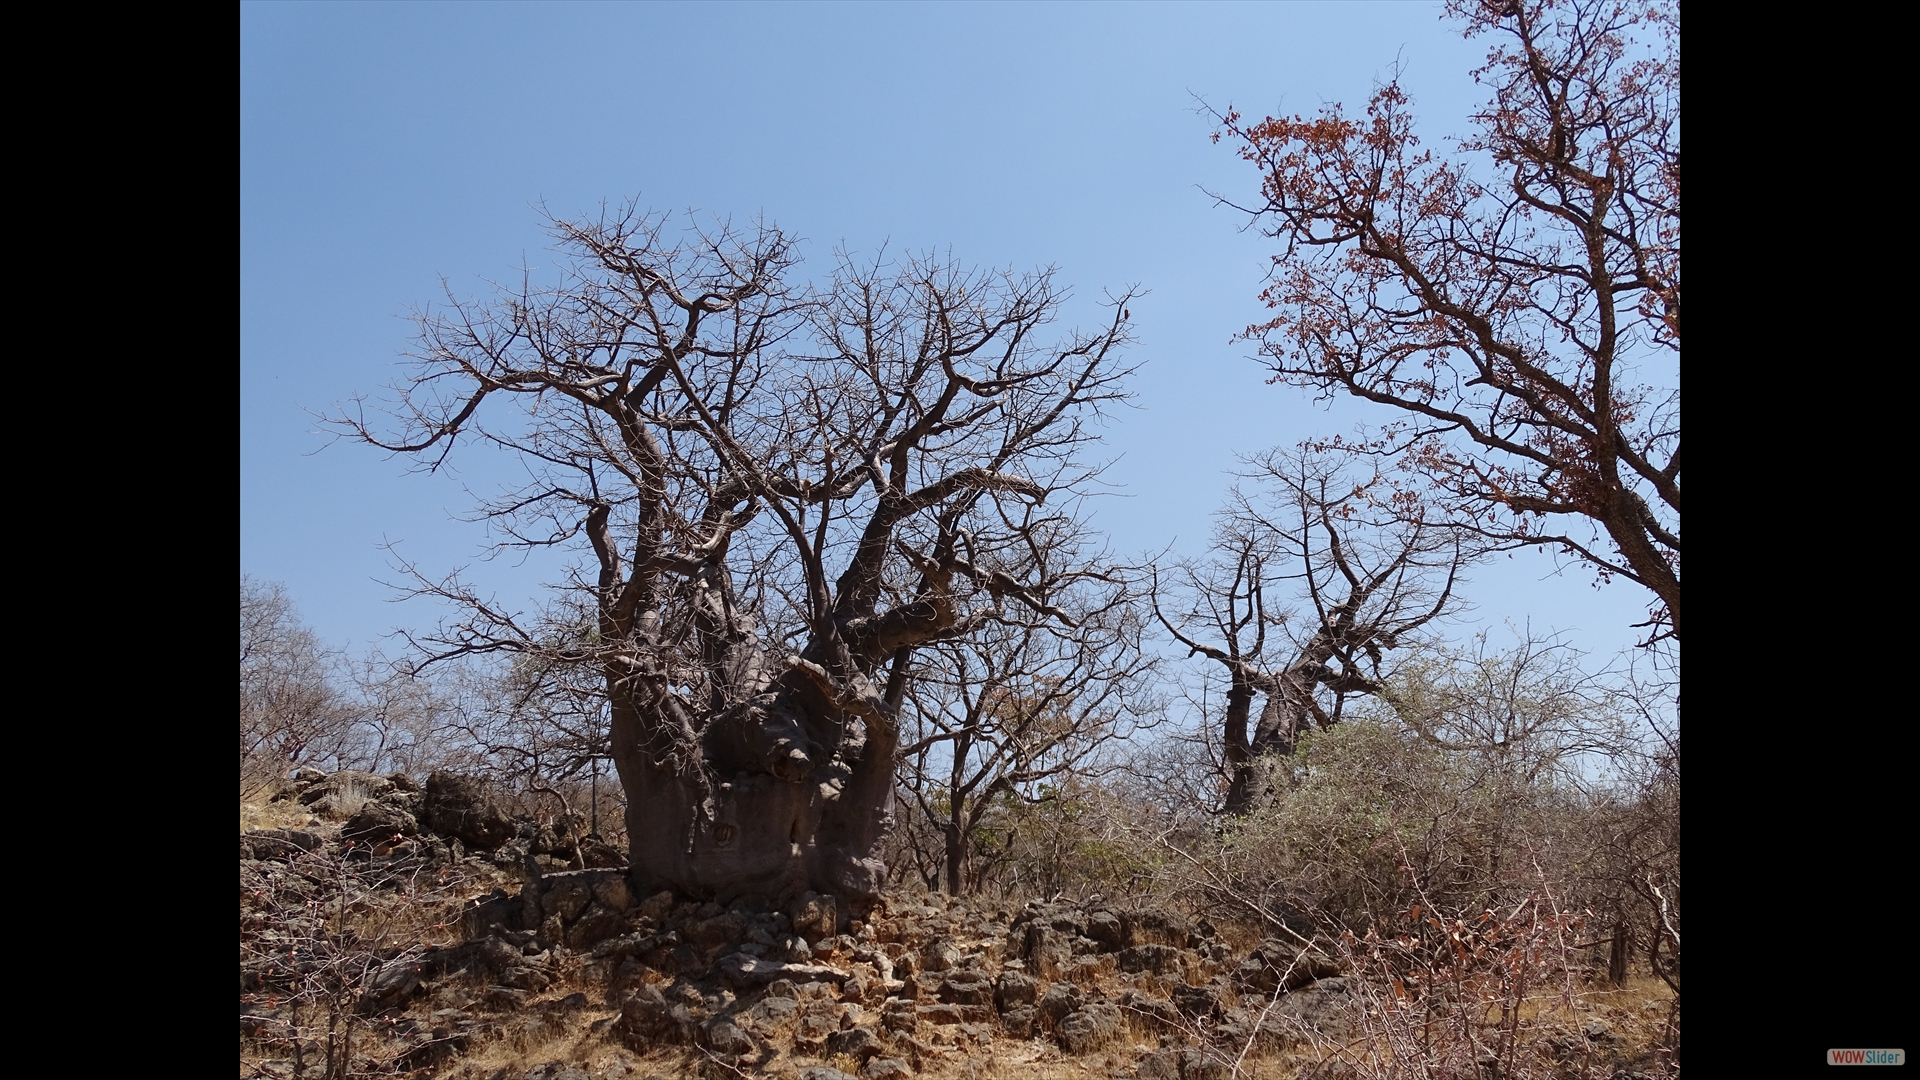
(386, 147)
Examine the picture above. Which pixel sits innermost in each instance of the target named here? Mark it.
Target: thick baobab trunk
(1256, 758)
(779, 802)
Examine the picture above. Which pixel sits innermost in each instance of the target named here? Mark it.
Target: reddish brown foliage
(1517, 303)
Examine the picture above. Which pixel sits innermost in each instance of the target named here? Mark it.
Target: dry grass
(259, 813)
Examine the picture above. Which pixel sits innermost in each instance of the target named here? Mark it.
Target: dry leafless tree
(1312, 581)
(770, 496)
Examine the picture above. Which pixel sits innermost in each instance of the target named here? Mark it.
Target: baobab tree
(1313, 579)
(769, 495)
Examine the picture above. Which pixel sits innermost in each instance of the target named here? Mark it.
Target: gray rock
(1020, 1021)
(1060, 999)
(812, 1032)
(942, 1014)
(1321, 1006)
(725, 1038)
(379, 821)
(1016, 989)
(525, 977)
(565, 896)
(814, 916)
(773, 1011)
(595, 925)
(859, 1043)
(1108, 930)
(1201, 1002)
(1159, 959)
(1091, 1027)
(744, 971)
(1201, 1065)
(646, 1015)
(967, 988)
(1159, 1065)
(459, 807)
(940, 954)
(821, 1072)
(1154, 1013)
(391, 986)
(727, 928)
(885, 1069)
(658, 906)
(1046, 950)
(342, 794)
(1278, 964)
(277, 843)
(1162, 928)
(899, 1018)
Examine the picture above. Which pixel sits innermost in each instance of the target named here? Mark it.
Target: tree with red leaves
(1515, 303)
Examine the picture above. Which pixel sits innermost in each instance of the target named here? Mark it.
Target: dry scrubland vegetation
(1418, 899)
(843, 746)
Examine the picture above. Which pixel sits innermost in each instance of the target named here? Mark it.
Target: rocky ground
(394, 929)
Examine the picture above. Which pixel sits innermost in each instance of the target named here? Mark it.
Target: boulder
(744, 971)
(594, 926)
(565, 896)
(725, 1038)
(1108, 930)
(497, 909)
(611, 890)
(773, 1011)
(658, 906)
(1205, 1002)
(811, 1033)
(1321, 1007)
(459, 807)
(1204, 1065)
(1047, 951)
(279, 844)
(392, 985)
(1060, 999)
(379, 821)
(726, 928)
(859, 1043)
(967, 988)
(885, 1069)
(1285, 965)
(646, 1016)
(1163, 928)
(1159, 959)
(814, 916)
(342, 794)
(1152, 1013)
(940, 954)
(1016, 989)
(1020, 1021)
(1089, 1028)
(1159, 1065)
